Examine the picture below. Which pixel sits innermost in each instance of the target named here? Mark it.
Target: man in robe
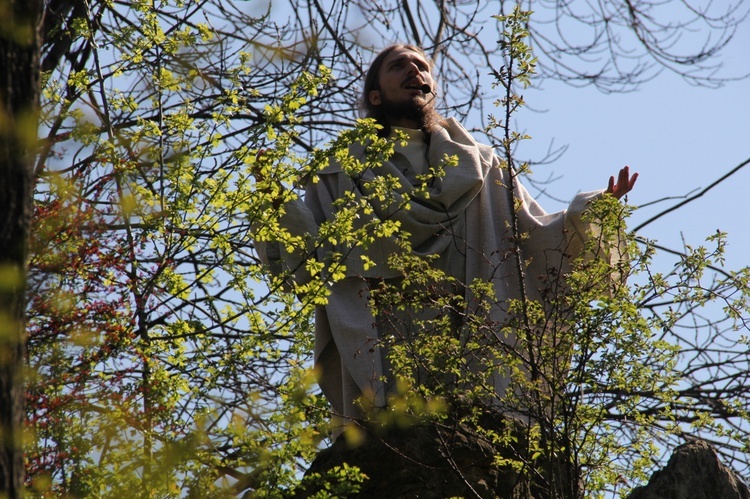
(467, 224)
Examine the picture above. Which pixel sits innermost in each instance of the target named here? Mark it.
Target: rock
(423, 462)
(693, 472)
(436, 461)
(440, 460)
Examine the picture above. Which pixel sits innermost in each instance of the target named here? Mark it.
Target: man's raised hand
(625, 183)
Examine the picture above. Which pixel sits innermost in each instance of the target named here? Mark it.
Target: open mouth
(414, 86)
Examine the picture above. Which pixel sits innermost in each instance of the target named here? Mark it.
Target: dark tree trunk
(19, 97)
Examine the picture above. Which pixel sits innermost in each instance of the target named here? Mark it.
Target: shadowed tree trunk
(19, 96)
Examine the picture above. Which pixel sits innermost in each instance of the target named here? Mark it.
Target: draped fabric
(465, 222)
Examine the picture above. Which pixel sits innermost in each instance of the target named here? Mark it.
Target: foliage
(165, 361)
(609, 364)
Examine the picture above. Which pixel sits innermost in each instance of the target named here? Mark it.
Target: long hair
(431, 121)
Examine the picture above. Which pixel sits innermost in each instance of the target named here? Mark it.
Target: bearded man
(464, 226)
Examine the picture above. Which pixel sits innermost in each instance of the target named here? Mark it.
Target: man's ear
(375, 98)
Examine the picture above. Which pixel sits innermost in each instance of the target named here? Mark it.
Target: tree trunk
(19, 97)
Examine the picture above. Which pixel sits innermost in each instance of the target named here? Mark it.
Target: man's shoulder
(355, 150)
(456, 132)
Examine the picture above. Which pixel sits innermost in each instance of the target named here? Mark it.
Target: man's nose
(412, 68)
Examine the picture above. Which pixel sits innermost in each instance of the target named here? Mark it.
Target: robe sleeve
(298, 220)
(611, 249)
(554, 240)
(578, 231)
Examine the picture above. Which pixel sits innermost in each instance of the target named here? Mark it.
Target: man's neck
(411, 133)
(402, 122)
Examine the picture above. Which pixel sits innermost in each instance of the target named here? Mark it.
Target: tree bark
(19, 98)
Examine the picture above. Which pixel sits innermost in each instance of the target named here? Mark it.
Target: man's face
(402, 76)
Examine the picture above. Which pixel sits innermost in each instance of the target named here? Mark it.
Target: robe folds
(465, 223)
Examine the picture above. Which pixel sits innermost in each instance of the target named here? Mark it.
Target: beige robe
(465, 222)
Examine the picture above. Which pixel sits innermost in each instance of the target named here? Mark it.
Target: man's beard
(422, 113)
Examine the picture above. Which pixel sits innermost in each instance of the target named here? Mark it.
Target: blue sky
(678, 137)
